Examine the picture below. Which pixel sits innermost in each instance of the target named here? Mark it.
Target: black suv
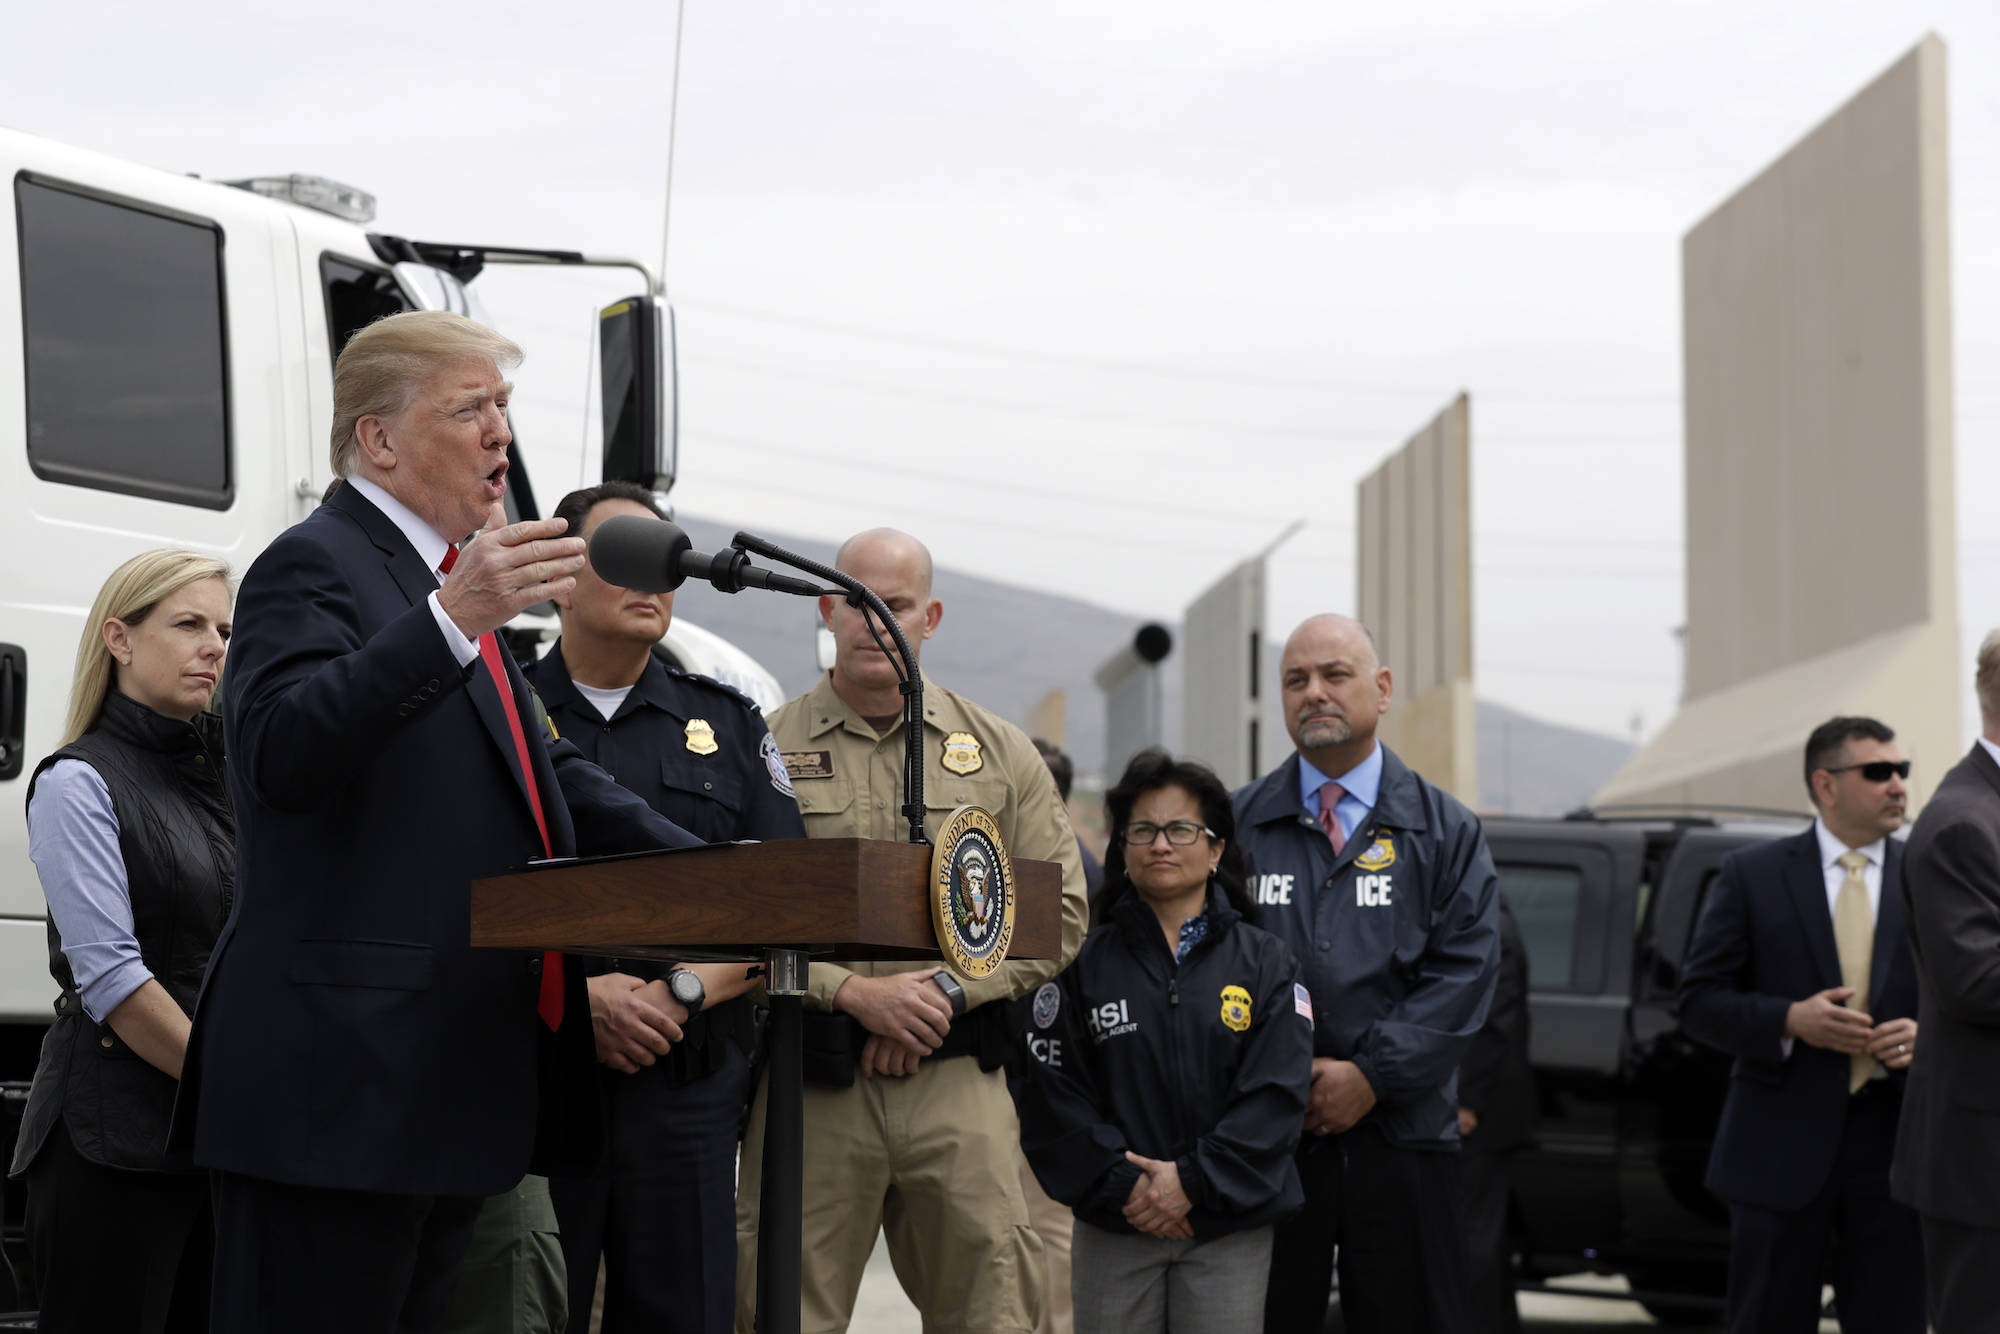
(1629, 1103)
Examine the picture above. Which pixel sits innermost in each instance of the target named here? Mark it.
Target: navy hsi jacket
(1398, 938)
(1205, 1064)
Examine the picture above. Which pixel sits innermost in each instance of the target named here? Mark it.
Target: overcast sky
(1100, 297)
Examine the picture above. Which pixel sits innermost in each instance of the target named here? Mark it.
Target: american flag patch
(1302, 1001)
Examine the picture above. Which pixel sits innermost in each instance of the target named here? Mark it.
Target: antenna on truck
(673, 116)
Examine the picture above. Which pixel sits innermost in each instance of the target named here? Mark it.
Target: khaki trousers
(929, 1161)
(1054, 1224)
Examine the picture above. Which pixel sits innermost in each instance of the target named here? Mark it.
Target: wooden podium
(778, 903)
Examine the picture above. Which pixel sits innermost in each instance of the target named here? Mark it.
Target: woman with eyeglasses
(130, 829)
(1172, 1062)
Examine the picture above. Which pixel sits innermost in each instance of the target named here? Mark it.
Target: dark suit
(349, 1045)
(1948, 1149)
(1799, 1159)
(1496, 1083)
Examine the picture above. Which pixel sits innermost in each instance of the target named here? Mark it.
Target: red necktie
(1329, 819)
(550, 1004)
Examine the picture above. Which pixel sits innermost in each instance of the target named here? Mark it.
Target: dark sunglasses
(1877, 771)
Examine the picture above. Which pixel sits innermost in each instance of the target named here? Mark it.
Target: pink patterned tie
(1329, 801)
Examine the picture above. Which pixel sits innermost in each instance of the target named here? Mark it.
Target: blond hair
(385, 364)
(1986, 678)
(129, 595)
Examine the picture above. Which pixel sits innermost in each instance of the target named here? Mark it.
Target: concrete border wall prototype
(1226, 668)
(1414, 562)
(1821, 544)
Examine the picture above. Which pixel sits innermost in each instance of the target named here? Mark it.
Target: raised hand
(507, 568)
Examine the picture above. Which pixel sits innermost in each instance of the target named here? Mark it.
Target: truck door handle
(13, 709)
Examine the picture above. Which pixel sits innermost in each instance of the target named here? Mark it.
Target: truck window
(357, 295)
(125, 345)
(1547, 902)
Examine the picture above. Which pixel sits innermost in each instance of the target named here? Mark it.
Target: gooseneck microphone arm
(911, 684)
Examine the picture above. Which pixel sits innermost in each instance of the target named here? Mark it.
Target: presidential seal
(972, 893)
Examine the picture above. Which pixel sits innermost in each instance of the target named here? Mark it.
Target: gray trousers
(1124, 1281)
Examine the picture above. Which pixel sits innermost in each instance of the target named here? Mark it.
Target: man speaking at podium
(921, 1141)
(359, 1078)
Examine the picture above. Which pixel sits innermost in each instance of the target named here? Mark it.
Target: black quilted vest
(178, 838)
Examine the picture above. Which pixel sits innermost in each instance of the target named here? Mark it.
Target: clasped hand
(635, 1022)
(906, 1016)
(1157, 1205)
(1340, 1096)
(1824, 1020)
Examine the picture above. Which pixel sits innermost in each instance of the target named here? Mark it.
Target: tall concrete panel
(1821, 552)
(1414, 536)
(1226, 671)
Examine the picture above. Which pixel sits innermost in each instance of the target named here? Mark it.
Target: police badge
(972, 893)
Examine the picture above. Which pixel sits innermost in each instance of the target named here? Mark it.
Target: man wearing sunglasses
(1801, 969)
(1947, 1153)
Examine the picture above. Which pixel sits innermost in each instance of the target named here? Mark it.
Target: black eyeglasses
(1181, 833)
(1877, 771)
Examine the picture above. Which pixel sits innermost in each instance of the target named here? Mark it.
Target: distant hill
(1006, 646)
(1000, 645)
(1529, 767)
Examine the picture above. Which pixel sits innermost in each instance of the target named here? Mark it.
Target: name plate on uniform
(972, 893)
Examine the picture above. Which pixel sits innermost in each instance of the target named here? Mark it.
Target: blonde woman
(130, 830)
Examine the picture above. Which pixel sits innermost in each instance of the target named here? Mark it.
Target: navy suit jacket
(347, 1035)
(1948, 1144)
(1765, 939)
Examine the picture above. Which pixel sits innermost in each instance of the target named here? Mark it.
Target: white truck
(166, 378)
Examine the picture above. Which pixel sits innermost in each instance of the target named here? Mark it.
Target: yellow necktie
(1854, 938)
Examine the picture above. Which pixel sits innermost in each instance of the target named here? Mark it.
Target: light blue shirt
(73, 840)
(1359, 788)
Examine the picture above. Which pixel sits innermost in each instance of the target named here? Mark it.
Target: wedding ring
(1901, 1048)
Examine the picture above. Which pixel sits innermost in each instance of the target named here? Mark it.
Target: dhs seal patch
(972, 893)
(1235, 1009)
(774, 764)
(1048, 1000)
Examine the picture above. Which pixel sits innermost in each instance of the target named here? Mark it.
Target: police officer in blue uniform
(1383, 886)
(661, 1211)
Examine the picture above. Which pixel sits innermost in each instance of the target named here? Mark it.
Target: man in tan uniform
(922, 1144)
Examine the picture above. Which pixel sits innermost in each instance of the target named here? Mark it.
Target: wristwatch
(953, 992)
(684, 985)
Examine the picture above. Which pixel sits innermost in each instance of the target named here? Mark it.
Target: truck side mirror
(639, 382)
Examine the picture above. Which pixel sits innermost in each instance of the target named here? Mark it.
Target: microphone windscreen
(632, 551)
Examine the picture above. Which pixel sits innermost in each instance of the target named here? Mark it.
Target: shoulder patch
(1302, 1001)
(1048, 1001)
(781, 777)
(807, 763)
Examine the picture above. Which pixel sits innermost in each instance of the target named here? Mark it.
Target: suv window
(125, 345)
(357, 295)
(1547, 901)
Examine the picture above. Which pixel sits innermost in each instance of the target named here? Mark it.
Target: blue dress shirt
(1359, 787)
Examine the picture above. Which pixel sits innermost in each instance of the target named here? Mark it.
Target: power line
(1001, 352)
(1369, 440)
(1095, 536)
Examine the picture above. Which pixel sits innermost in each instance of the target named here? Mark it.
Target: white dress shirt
(431, 547)
(1991, 749)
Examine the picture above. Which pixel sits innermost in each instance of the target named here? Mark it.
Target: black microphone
(657, 555)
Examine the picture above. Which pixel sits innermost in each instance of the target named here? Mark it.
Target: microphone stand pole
(780, 1227)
